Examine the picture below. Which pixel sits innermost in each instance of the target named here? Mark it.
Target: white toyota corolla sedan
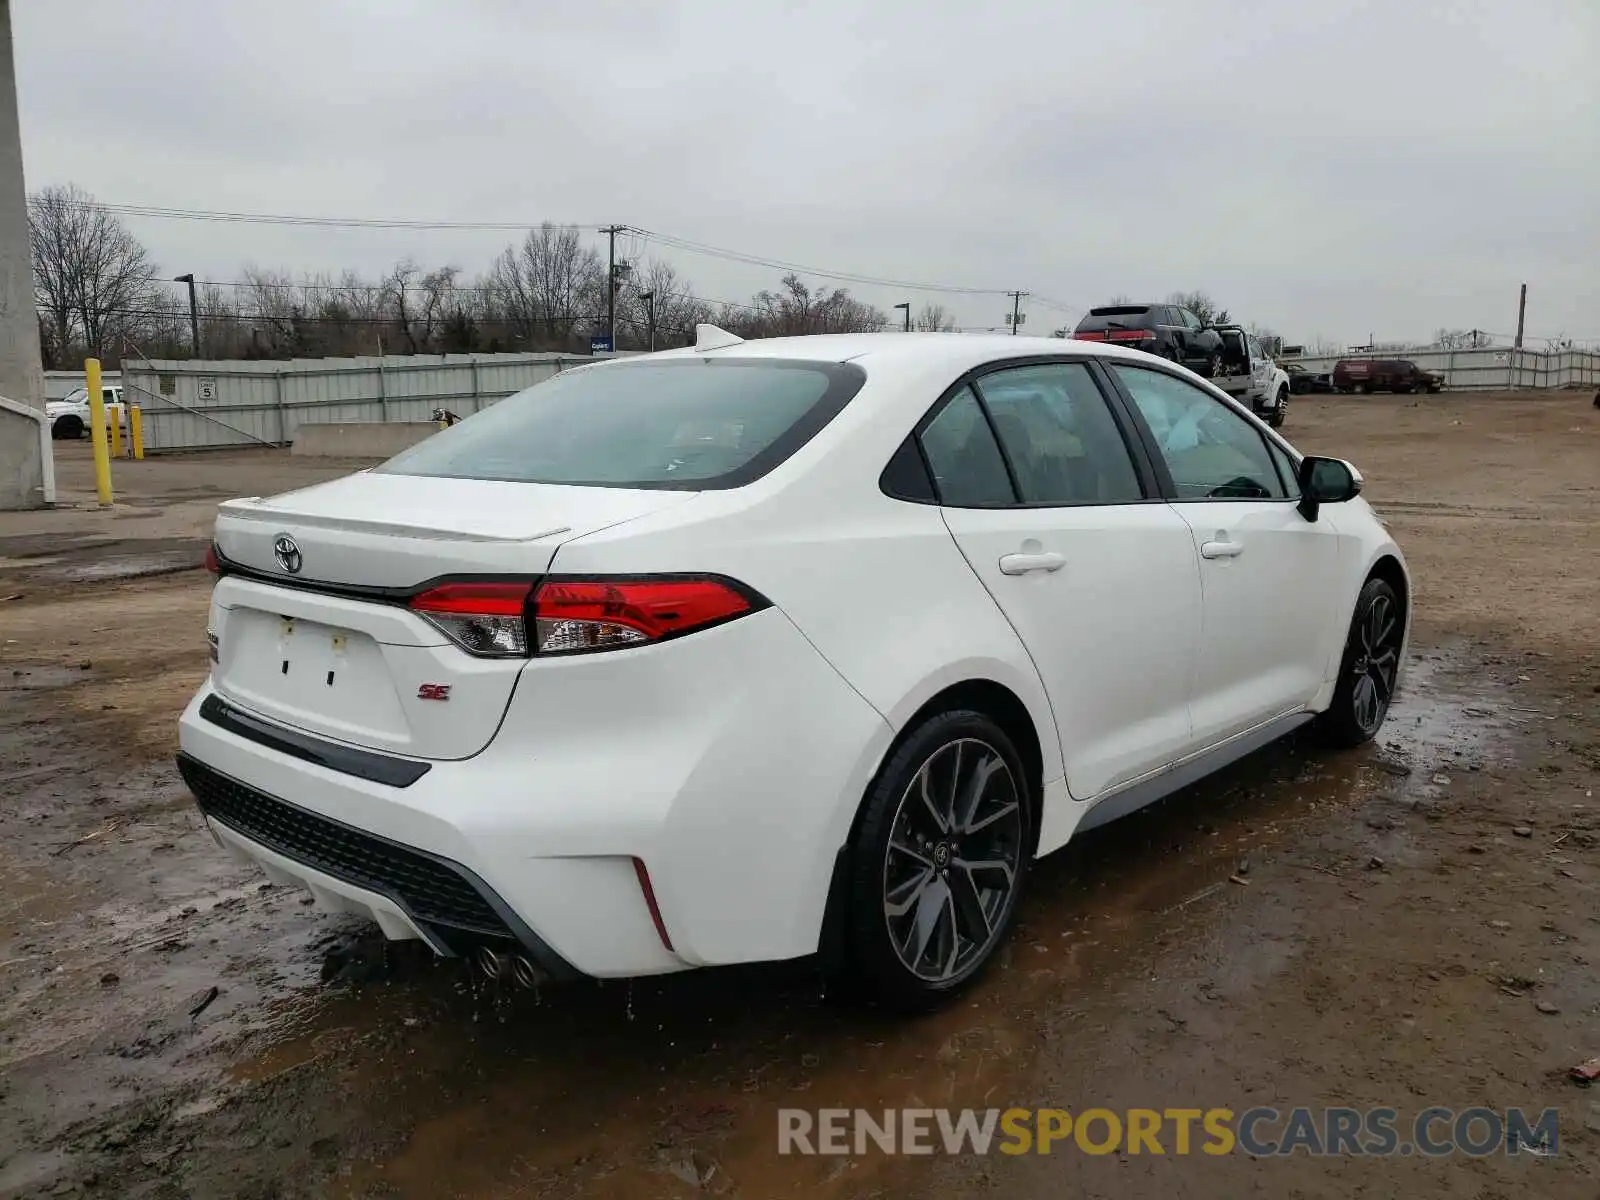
(759, 649)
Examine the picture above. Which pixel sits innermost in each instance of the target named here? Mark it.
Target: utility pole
(1016, 311)
(1522, 311)
(907, 306)
(194, 312)
(649, 299)
(611, 232)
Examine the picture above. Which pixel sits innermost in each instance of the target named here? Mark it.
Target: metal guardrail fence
(192, 404)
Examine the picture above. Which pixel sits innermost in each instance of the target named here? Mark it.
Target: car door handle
(1221, 549)
(1021, 564)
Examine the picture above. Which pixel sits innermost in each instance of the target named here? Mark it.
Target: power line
(197, 214)
(250, 218)
(821, 272)
(1068, 309)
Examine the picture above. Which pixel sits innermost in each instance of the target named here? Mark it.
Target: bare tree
(798, 310)
(932, 318)
(545, 287)
(1201, 305)
(420, 302)
(676, 309)
(90, 274)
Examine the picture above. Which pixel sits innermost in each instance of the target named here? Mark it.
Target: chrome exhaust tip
(492, 962)
(525, 973)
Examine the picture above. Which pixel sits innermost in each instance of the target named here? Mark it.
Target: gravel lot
(1418, 922)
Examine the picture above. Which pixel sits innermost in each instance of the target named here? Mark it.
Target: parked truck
(1249, 374)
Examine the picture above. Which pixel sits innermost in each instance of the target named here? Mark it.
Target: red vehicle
(1383, 375)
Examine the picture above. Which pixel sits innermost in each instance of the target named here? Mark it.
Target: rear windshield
(1116, 316)
(690, 424)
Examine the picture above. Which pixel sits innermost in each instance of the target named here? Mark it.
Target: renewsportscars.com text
(1263, 1132)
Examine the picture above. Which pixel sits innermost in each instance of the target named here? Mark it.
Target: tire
(1281, 412)
(921, 925)
(1367, 669)
(66, 428)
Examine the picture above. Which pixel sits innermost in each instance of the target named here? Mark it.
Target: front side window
(1059, 434)
(1212, 452)
(1189, 319)
(968, 471)
(693, 424)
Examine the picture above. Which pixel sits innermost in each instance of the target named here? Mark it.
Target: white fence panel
(192, 404)
(1488, 368)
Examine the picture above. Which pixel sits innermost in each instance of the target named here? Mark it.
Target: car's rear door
(1269, 577)
(1062, 523)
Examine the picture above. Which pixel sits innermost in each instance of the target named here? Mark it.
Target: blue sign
(599, 343)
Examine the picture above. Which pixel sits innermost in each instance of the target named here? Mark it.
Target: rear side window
(968, 471)
(1063, 444)
(694, 424)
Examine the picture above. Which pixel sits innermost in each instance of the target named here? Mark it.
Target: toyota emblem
(287, 551)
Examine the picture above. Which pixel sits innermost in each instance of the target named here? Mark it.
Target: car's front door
(1094, 571)
(1269, 577)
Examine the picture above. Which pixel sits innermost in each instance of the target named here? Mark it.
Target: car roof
(958, 351)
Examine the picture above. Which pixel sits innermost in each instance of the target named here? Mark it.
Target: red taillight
(577, 614)
(493, 618)
(1088, 337)
(483, 618)
(212, 564)
(1130, 335)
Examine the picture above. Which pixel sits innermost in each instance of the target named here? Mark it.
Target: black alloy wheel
(1370, 667)
(938, 861)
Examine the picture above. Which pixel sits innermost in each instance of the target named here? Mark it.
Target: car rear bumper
(730, 764)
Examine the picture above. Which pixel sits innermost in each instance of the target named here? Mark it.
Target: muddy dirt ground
(1418, 922)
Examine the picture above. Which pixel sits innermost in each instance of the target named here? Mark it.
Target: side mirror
(1326, 481)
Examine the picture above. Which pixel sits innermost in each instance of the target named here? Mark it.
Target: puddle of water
(128, 566)
(39, 678)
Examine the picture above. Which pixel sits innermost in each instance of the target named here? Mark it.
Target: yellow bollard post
(97, 430)
(136, 431)
(114, 419)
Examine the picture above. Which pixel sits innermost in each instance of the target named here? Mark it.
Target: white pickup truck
(69, 416)
(1249, 375)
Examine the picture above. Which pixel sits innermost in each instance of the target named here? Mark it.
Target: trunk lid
(320, 638)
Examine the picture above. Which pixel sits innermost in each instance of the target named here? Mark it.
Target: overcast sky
(1327, 169)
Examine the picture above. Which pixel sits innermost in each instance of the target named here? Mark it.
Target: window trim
(1147, 435)
(1154, 484)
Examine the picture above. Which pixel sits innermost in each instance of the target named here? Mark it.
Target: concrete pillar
(22, 466)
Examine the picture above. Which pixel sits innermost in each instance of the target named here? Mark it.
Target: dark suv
(1164, 329)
